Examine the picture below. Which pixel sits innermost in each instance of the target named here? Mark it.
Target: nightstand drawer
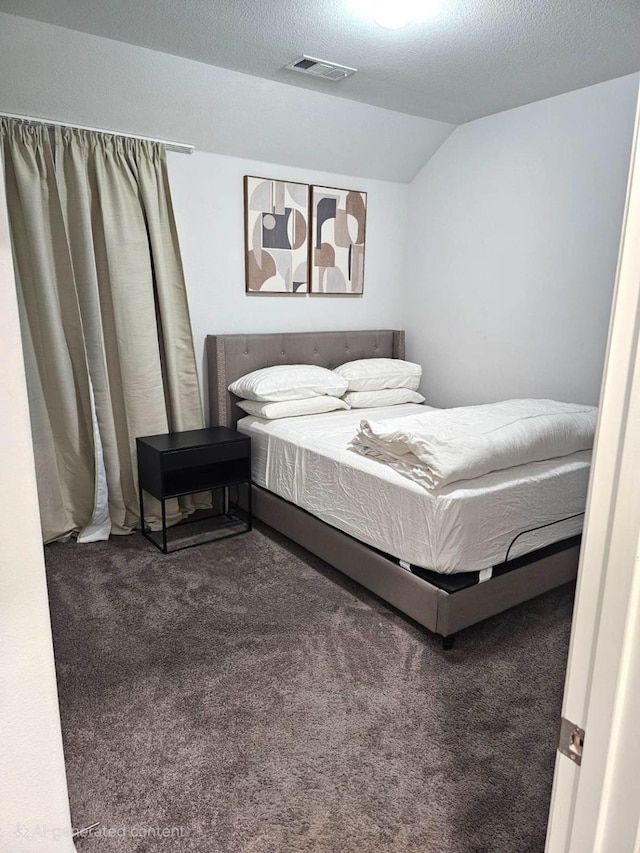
(211, 454)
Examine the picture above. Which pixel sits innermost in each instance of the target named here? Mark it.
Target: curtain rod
(180, 147)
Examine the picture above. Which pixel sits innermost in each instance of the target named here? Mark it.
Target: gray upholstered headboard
(231, 356)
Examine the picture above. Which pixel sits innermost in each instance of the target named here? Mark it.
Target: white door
(595, 807)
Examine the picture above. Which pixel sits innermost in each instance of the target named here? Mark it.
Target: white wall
(34, 808)
(55, 73)
(513, 237)
(207, 192)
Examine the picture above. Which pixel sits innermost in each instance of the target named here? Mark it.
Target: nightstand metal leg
(164, 527)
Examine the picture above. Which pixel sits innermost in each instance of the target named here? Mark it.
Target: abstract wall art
(276, 236)
(338, 219)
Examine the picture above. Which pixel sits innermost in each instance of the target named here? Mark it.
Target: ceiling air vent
(320, 68)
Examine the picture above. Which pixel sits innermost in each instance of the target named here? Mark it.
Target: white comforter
(442, 446)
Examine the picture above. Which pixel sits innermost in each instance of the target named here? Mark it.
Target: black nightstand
(199, 460)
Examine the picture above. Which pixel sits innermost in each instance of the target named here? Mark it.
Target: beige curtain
(132, 296)
(128, 283)
(52, 335)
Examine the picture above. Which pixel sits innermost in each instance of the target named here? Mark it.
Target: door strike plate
(571, 741)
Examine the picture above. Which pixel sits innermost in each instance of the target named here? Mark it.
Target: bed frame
(444, 613)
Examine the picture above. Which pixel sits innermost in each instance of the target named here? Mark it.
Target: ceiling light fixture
(393, 14)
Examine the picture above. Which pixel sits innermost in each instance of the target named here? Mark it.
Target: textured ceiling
(61, 74)
(466, 59)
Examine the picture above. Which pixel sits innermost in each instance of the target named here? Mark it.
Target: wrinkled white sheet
(467, 526)
(442, 446)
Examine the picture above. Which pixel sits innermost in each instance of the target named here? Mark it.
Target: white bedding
(467, 526)
(439, 447)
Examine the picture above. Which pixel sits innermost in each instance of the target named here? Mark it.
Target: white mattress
(466, 526)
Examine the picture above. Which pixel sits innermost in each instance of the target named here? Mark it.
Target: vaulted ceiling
(459, 60)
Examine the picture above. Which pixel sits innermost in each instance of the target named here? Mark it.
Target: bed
(397, 561)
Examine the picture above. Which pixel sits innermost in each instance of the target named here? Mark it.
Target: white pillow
(375, 374)
(292, 408)
(288, 382)
(386, 397)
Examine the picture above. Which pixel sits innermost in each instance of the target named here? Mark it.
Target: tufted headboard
(231, 356)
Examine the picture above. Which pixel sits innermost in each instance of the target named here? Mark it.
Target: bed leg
(448, 642)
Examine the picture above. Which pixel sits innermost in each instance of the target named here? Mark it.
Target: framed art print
(276, 217)
(338, 220)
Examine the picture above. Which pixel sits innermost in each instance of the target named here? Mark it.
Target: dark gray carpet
(242, 697)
